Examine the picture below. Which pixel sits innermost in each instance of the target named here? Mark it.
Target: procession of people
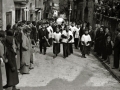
(17, 44)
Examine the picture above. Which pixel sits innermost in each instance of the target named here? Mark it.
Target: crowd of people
(17, 44)
(109, 8)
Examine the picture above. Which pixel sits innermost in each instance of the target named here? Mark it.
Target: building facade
(18, 10)
(29, 10)
(7, 13)
(82, 10)
(39, 8)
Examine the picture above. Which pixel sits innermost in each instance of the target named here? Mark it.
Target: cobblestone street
(72, 73)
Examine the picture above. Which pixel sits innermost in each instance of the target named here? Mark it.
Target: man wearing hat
(116, 49)
(43, 37)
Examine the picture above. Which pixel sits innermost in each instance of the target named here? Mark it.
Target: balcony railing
(21, 1)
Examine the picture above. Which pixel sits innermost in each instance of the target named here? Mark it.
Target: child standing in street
(108, 49)
(85, 42)
(56, 41)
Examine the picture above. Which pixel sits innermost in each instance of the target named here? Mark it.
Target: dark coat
(81, 32)
(99, 41)
(91, 33)
(116, 49)
(1, 55)
(11, 68)
(18, 41)
(117, 43)
(18, 38)
(108, 48)
(33, 34)
(42, 34)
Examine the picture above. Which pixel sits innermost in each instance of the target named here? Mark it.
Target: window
(30, 5)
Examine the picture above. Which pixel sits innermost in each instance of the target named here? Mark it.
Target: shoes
(31, 68)
(15, 88)
(44, 53)
(88, 54)
(114, 68)
(6, 86)
(64, 57)
(76, 47)
(83, 57)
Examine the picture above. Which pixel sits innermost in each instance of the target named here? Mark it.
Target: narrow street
(72, 73)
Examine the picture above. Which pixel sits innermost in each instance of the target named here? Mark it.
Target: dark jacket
(11, 68)
(117, 43)
(42, 34)
(108, 48)
(33, 34)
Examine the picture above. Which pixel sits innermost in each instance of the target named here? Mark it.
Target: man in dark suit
(43, 37)
(116, 49)
(33, 34)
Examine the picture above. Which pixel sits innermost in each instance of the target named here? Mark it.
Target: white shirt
(77, 33)
(57, 37)
(85, 39)
(70, 34)
(50, 30)
(64, 40)
(73, 29)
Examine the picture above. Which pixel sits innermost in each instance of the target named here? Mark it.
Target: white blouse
(50, 30)
(57, 37)
(64, 40)
(85, 39)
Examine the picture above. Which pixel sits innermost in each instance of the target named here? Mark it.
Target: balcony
(21, 1)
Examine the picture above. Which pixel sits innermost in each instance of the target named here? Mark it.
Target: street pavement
(72, 73)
